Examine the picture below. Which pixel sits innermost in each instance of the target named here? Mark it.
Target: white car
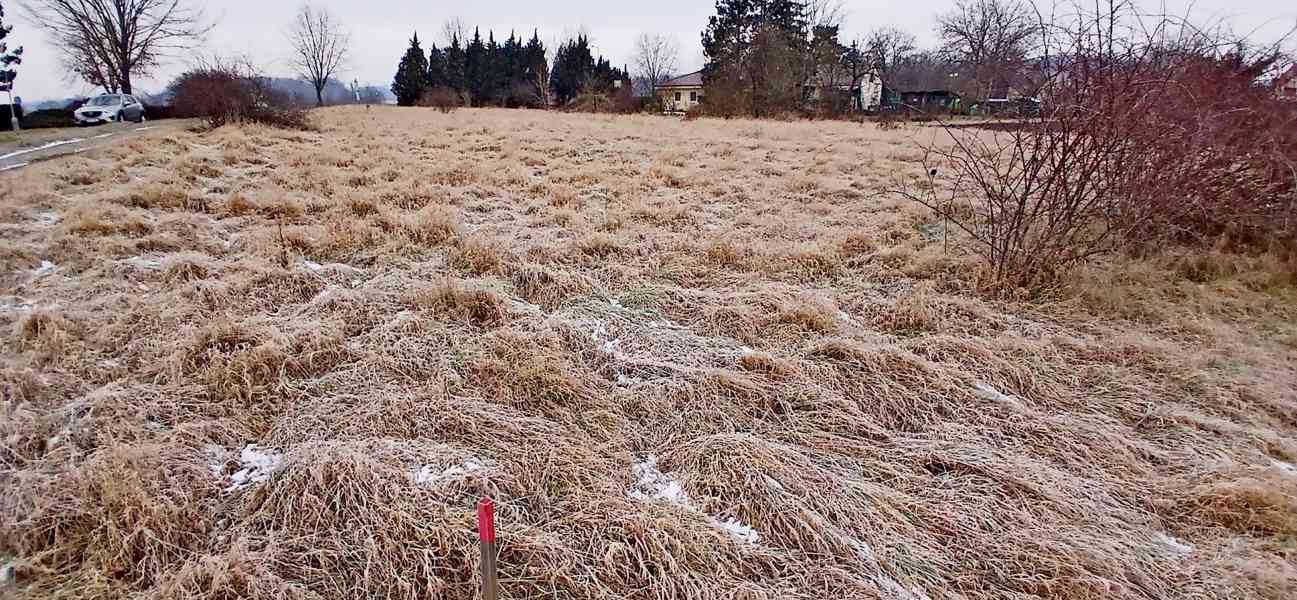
(109, 108)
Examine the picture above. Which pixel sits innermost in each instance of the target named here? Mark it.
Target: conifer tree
(493, 71)
(535, 69)
(475, 69)
(7, 59)
(456, 64)
(753, 50)
(437, 76)
(573, 67)
(411, 75)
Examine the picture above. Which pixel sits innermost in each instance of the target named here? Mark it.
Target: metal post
(486, 536)
(13, 109)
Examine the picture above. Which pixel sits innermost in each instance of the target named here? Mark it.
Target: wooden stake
(486, 536)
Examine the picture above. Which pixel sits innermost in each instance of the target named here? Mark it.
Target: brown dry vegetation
(531, 305)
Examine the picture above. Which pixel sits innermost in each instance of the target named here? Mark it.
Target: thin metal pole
(13, 109)
(486, 537)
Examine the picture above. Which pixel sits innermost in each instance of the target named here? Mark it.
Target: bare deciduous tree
(454, 29)
(320, 47)
(991, 38)
(885, 48)
(108, 43)
(655, 59)
(823, 13)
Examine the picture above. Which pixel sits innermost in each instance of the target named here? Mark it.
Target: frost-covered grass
(701, 359)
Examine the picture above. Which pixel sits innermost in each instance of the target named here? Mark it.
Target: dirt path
(26, 147)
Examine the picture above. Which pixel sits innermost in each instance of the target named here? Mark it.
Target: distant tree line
(763, 56)
(512, 73)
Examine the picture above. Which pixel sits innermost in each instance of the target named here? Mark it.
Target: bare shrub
(1151, 133)
(442, 98)
(221, 92)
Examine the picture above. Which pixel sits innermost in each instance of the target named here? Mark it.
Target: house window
(677, 96)
(693, 96)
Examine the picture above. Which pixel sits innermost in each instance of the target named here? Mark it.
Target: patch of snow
(46, 268)
(13, 166)
(616, 303)
(607, 343)
(665, 324)
(745, 350)
(146, 128)
(741, 531)
(1286, 467)
(48, 218)
(142, 262)
(893, 590)
(217, 456)
(325, 296)
(624, 380)
(256, 464)
(989, 392)
(435, 475)
(652, 484)
(864, 552)
(14, 303)
(1173, 544)
(7, 572)
(102, 136)
(312, 265)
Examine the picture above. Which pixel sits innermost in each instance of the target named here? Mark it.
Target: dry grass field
(705, 359)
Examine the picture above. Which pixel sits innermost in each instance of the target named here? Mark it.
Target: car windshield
(105, 100)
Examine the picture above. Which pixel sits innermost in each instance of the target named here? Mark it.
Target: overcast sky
(381, 30)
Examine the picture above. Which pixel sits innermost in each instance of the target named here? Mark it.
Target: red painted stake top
(486, 521)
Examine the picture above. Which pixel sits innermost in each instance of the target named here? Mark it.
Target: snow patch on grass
(145, 263)
(1173, 544)
(255, 466)
(46, 268)
(16, 304)
(741, 531)
(437, 475)
(607, 343)
(988, 392)
(651, 484)
(1286, 467)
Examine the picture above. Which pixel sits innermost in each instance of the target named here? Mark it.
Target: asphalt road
(31, 146)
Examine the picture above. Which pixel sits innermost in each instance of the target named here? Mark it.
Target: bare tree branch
(989, 37)
(885, 48)
(655, 59)
(320, 47)
(108, 43)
